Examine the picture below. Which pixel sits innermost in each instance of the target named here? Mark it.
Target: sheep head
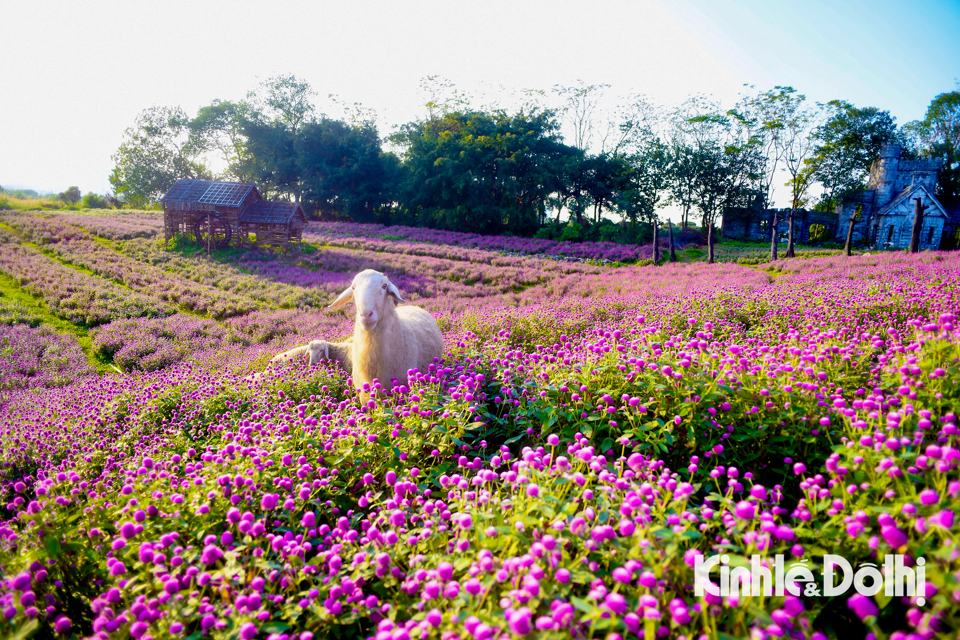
(370, 291)
(318, 351)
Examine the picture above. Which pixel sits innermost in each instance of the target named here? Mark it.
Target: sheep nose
(369, 314)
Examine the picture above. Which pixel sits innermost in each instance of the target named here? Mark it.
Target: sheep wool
(387, 341)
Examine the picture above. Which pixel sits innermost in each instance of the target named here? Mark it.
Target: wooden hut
(222, 213)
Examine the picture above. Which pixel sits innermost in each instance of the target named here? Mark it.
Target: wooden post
(918, 210)
(673, 250)
(656, 241)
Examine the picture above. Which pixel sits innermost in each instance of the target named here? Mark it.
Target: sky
(74, 75)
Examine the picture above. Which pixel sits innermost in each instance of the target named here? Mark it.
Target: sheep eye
(384, 286)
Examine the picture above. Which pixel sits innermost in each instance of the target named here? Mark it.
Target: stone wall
(754, 225)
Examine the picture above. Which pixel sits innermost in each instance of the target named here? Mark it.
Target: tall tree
(156, 151)
(481, 171)
(283, 98)
(344, 171)
(218, 127)
(938, 136)
(725, 161)
(847, 143)
(796, 139)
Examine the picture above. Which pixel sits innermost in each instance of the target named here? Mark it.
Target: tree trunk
(773, 234)
(789, 253)
(918, 210)
(673, 251)
(683, 221)
(848, 246)
(710, 244)
(656, 241)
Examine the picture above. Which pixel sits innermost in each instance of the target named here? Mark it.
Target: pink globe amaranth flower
(533, 490)
(622, 575)
(22, 581)
(62, 625)
(894, 536)
(943, 519)
(269, 501)
(466, 522)
(616, 603)
(519, 622)
(648, 580)
(118, 569)
(562, 576)
(626, 527)
(248, 631)
(434, 618)
(928, 497)
(445, 571)
(863, 606)
(758, 491)
(211, 554)
(138, 629)
(176, 628)
(128, 530)
(473, 586)
(745, 510)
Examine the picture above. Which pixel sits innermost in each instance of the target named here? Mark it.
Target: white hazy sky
(75, 74)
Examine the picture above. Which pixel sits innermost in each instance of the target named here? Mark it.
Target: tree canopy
(496, 170)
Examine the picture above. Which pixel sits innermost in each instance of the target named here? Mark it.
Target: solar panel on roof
(225, 193)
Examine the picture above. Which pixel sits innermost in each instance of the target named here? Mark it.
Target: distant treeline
(490, 170)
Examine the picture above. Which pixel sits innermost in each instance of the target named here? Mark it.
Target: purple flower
(519, 622)
(943, 519)
(745, 510)
(616, 603)
(862, 606)
(445, 571)
(894, 536)
(248, 631)
(211, 554)
(62, 624)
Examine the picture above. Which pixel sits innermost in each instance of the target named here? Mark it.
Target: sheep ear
(394, 292)
(344, 298)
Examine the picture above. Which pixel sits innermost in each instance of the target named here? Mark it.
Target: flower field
(591, 432)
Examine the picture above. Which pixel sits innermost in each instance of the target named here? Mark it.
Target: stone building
(753, 223)
(884, 212)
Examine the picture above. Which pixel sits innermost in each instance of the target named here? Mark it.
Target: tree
(283, 98)
(219, 127)
(481, 171)
(70, 196)
(344, 171)
(847, 143)
(796, 138)
(270, 159)
(156, 151)
(579, 110)
(725, 162)
(938, 136)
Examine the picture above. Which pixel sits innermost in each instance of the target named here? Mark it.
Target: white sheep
(387, 340)
(316, 351)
